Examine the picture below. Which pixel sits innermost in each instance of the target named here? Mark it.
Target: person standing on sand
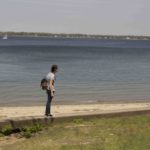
(50, 77)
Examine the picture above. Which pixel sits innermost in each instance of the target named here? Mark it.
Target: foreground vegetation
(121, 133)
(26, 132)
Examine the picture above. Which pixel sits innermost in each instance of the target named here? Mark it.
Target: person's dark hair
(54, 68)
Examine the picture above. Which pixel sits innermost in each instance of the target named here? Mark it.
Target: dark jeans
(48, 104)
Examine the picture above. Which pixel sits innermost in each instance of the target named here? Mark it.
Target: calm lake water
(90, 70)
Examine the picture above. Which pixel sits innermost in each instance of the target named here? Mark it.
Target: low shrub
(7, 130)
(28, 131)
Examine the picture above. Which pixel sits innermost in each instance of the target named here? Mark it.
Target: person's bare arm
(51, 87)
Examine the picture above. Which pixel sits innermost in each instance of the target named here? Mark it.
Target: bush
(25, 132)
(28, 131)
(7, 130)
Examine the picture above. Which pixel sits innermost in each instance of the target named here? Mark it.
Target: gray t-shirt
(50, 76)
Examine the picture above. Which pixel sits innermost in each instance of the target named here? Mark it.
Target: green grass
(121, 133)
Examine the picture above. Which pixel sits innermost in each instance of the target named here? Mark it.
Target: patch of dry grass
(121, 133)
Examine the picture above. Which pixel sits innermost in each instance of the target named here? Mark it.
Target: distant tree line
(63, 35)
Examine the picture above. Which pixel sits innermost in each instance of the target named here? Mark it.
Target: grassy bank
(121, 133)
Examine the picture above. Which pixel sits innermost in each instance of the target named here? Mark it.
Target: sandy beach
(63, 110)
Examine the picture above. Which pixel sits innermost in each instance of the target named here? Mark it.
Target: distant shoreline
(77, 36)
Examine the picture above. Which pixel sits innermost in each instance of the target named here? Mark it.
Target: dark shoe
(49, 115)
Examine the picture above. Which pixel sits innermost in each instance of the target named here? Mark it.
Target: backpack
(44, 83)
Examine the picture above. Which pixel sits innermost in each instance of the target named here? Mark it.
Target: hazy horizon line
(36, 32)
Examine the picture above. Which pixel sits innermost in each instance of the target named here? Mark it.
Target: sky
(112, 17)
